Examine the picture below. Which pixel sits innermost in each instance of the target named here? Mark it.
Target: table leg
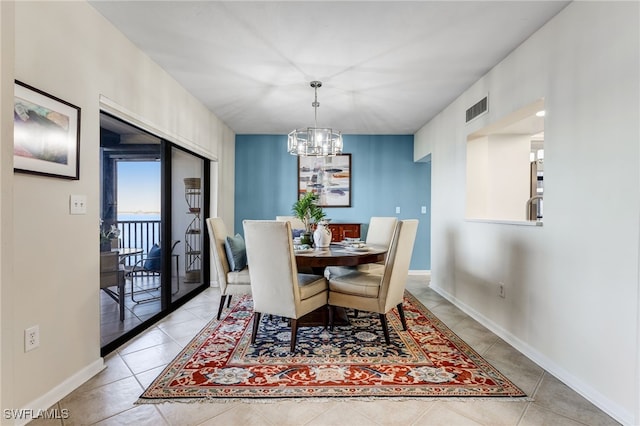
(121, 284)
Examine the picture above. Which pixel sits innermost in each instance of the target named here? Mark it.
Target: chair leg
(325, 315)
(355, 313)
(229, 301)
(294, 334)
(121, 300)
(332, 315)
(256, 324)
(385, 329)
(402, 319)
(222, 299)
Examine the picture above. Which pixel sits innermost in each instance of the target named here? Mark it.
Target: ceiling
(387, 67)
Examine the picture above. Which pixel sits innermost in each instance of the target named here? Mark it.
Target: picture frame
(329, 177)
(46, 133)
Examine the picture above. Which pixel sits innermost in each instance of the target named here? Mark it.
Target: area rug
(352, 361)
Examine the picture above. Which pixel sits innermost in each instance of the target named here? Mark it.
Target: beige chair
(379, 293)
(295, 222)
(276, 286)
(380, 233)
(231, 282)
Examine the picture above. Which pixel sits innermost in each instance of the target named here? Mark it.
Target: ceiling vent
(481, 107)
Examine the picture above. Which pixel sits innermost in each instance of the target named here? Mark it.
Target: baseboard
(587, 391)
(421, 272)
(49, 399)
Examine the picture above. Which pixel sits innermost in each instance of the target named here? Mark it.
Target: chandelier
(314, 141)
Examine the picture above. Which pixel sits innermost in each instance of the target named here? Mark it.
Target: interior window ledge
(507, 222)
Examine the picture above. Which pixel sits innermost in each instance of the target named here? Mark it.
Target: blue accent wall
(383, 177)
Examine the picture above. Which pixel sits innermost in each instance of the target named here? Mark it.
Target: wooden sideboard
(340, 231)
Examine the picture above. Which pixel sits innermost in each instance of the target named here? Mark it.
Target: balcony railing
(141, 234)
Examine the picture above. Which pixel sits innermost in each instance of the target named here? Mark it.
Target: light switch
(423, 210)
(397, 210)
(78, 204)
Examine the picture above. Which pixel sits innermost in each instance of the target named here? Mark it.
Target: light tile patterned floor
(107, 399)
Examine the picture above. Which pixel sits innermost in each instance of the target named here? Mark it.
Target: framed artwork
(328, 177)
(46, 134)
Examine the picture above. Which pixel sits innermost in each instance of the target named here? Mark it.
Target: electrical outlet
(397, 210)
(31, 338)
(501, 290)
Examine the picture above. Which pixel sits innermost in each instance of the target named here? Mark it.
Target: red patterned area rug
(428, 360)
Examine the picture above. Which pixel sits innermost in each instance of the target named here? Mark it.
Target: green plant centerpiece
(307, 210)
(108, 237)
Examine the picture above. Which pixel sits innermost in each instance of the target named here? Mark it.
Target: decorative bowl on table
(356, 245)
(302, 248)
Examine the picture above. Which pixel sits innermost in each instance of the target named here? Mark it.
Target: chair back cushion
(217, 238)
(397, 263)
(297, 225)
(153, 259)
(236, 252)
(272, 267)
(380, 230)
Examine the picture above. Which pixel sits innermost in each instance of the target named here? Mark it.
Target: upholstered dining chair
(295, 222)
(379, 293)
(231, 282)
(380, 233)
(276, 286)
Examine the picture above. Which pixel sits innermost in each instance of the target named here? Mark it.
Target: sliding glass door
(156, 195)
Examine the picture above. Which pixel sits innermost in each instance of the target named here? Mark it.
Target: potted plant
(108, 237)
(309, 213)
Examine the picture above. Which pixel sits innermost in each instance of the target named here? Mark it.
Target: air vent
(478, 109)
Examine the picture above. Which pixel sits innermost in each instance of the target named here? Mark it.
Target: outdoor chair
(144, 274)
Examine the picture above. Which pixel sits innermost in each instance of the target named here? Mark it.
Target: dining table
(338, 254)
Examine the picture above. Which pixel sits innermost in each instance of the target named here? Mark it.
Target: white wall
(497, 179)
(477, 178)
(509, 176)
(6, 205)
(68, 50)
(572, 285)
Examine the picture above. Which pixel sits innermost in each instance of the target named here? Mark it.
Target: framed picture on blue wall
(329, 177)
(46, 134)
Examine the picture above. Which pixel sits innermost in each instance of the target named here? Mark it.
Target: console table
(340, 231)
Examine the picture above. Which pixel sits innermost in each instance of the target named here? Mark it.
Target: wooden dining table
(338, 255)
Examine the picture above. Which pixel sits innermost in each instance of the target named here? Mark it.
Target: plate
(352, 241)
(351, 248)
(303, 250)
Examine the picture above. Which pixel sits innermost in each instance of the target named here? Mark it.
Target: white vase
(322, 235)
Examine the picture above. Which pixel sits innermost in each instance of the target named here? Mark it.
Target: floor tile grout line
(528, 408)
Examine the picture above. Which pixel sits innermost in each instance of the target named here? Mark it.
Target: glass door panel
(188, 209)
(131, 194)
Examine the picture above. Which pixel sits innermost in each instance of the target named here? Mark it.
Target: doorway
(156, 195)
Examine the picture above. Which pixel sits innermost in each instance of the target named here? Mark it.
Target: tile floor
(107, 399)
(134, 314)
